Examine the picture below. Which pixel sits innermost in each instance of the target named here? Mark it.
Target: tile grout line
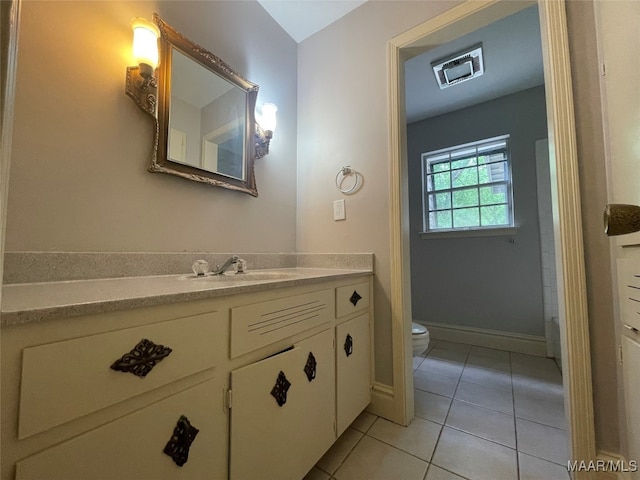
(365, 431)
(350, 451)
(444, 421)
(515, 422)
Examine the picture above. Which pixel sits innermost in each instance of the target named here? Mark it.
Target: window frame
(428, 159)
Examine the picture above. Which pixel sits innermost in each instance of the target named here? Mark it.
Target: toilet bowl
(420, 338)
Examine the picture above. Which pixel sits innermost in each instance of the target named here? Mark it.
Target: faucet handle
(200, 267)
(241, 265)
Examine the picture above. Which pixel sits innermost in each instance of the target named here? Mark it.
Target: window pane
(440, 167)
(466, 217)
(494, 215)
(465, 177)
(468, 186)
(465, 162)
(465, 152)
(439, 201)
(494, 157)
(439, 181)
(465, 198)
(439, 220)
(494, 172)
(493, 194)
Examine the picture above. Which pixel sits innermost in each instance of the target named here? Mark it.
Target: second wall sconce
(141, 81)
(265, 128)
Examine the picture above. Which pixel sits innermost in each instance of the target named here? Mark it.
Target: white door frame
(466, 18)
(9, 20)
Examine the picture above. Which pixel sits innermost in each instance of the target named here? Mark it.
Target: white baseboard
(512, 342)
(382, 401)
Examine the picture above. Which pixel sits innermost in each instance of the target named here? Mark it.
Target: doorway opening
(456, 23)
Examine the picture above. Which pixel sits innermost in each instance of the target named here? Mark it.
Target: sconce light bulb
(268, 117)
(145, 42)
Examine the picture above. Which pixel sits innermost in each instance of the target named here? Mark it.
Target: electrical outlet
(338, 210)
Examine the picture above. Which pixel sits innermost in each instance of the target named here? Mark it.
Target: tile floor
(479, 414)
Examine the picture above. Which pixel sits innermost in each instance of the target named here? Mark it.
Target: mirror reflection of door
(177, 145)
(222, 150)
(206, 119)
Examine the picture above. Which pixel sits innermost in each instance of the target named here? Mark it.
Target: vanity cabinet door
(283, 412)
(353, 370)
(132, 447)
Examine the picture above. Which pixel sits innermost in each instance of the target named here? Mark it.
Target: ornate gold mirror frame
(241, 131)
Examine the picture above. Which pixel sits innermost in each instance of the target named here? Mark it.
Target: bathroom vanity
(176, 377)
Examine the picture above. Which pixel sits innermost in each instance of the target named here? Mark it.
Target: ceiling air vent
(459, 68)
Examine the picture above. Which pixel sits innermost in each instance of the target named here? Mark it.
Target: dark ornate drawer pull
(178, 445)
(310, 367)
(279, 390)
(348, 345)
(141, 360)
(355, 298)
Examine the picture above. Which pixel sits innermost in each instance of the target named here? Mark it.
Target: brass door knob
(620, 219)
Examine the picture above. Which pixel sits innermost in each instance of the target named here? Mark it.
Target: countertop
(34, 302)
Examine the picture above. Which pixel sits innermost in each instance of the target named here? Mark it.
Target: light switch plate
(339, 212)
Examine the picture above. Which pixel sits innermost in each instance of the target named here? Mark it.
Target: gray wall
(343, 120)
(482, 282)
(81, 147)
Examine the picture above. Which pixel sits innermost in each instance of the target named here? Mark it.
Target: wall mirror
(206, 121)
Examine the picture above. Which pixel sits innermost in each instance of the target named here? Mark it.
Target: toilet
(420, 338)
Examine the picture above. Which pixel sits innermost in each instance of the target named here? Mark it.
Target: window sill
(484, 232)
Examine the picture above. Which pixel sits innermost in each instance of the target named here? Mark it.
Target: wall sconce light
(620, 219)
(141, 82)
(265, 129)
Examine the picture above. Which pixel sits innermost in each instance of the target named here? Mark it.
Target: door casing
(452, 24)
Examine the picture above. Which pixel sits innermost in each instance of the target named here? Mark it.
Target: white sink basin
(250, 276)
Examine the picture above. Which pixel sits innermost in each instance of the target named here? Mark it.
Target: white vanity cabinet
(266, 377)
(133, 447)
(353, 352)
(110, 396)
(283, 410)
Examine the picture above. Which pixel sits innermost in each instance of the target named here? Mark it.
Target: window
(468, 187)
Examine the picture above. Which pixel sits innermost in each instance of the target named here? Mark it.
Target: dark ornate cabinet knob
(355, 298)
(279, 390)
(178, 445)
(348, 345)
(141, 360)
(310, 367)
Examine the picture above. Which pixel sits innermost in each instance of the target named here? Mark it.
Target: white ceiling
(302, 18)
(511, 48)
(512, 61)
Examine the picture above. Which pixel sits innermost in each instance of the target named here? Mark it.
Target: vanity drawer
(132, 446)
(352, 298)
(264, 323)
(65, 380)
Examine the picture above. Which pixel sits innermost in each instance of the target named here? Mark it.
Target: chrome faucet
(220, 269)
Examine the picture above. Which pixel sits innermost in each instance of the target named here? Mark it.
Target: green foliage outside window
(472, 191)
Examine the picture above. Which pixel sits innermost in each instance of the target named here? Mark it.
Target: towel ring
(344, 171)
